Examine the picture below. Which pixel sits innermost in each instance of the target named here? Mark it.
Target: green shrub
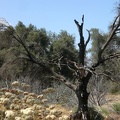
(94, 114)
(115, 89)
(104, 111)
(116, 107)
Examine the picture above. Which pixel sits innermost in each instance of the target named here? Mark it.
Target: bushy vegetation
(95, 115)
(115, 89)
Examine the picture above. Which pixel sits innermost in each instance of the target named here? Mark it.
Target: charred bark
(81, 90)
(82, 112)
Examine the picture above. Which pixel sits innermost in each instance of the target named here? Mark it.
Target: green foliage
(6, 40)
(116, 107)
(98, 38)
(21, 30)
(110, 67)
(115, 89)
(11, 66)
(39, 37)
(2, 56)
(43, 45)
(64, 46)
(44, 39)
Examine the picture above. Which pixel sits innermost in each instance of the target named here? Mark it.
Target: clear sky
(56, 15)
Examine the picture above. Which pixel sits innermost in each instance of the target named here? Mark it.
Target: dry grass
(112, 115)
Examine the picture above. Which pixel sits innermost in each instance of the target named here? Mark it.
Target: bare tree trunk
(82, 112)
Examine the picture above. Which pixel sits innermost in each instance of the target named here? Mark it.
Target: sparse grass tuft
(116, 107)
(104, 111)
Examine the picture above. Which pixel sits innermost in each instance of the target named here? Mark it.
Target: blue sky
(56, 15)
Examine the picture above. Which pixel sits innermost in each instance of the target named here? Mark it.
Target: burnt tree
(84, 73)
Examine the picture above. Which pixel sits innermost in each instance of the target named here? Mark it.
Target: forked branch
(115, 29)
(63, 79)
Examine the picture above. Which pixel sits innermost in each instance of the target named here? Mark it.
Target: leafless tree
(98, 88)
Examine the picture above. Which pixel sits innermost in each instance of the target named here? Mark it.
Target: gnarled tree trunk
(82, 112)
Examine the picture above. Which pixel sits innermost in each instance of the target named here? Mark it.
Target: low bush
(115, 89)
(94, 114)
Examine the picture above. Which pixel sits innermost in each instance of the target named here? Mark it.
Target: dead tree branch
(82, 44)
(109, 57)
(88, 38)
(63, 79)
(113, 32)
